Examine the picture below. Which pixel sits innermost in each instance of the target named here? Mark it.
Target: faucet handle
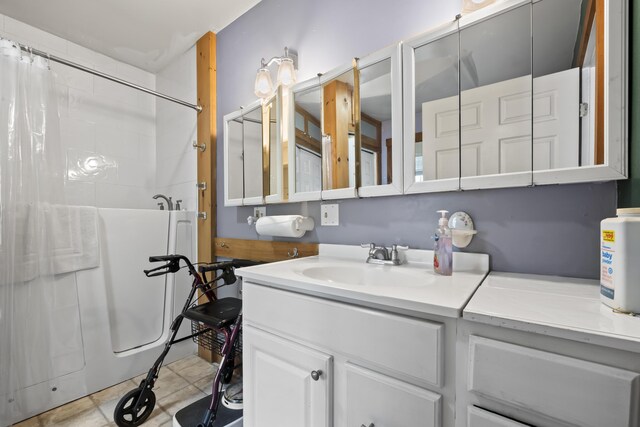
(394, 253)
(399, 247)
(368, 245)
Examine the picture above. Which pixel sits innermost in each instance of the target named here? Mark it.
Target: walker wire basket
(211, 339)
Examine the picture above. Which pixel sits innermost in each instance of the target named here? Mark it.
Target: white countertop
(412, 288)
(555, 306)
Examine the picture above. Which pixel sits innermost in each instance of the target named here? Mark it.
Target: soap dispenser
(442, 250)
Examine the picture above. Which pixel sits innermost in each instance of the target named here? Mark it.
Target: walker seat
(216, 314)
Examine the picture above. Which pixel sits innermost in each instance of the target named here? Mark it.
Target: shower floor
(179, 384)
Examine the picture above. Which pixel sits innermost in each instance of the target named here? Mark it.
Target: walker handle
(172, 266)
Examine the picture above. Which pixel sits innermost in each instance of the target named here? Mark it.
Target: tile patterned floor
(179, 384)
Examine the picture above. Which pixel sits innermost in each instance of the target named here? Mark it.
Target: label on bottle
(607, 263)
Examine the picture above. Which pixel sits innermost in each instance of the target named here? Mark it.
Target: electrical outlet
(329, 215)
(260, 211)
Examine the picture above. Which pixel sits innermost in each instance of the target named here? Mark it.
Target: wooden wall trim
(261, 250)
(207, 133)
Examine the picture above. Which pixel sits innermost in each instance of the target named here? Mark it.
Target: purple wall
(545, 230)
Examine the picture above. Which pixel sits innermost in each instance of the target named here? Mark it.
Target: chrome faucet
(167, 199)
(381, 255)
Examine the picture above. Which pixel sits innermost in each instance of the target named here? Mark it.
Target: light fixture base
(293, 55)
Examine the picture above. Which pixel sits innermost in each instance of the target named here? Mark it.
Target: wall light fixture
(286, 76)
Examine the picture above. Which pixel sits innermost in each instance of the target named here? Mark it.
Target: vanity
(544, 351)
(332, 341)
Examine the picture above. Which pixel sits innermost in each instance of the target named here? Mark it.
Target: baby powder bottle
(620, 261)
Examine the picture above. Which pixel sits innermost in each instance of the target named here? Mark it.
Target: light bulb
(286, 72)
(263, 87)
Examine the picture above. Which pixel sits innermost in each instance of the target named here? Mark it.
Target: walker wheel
(124, 414)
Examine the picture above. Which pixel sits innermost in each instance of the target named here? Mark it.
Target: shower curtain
(31, 194)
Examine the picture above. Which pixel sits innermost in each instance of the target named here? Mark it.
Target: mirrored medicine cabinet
(305, 147)
(253, 154)
(518, 93)
(380, 79)
(341, 148)
(514, 95)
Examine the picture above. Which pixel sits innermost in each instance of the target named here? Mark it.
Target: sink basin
(340, 273)
(361, 275)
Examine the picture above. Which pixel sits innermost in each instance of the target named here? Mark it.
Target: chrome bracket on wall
(201, 215)
(202, 147)
(201, 185)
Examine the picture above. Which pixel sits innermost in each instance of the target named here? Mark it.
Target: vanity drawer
(477, 417)
(570, 390)
(376, 399)
(403, 346)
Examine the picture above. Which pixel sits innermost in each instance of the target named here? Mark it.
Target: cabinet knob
(315, 375)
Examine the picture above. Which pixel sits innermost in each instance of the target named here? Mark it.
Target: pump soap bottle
(442, 250)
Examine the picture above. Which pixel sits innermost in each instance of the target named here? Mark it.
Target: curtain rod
(54, 58)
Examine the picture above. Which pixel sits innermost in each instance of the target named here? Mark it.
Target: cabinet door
(381, 401)
(280, 382)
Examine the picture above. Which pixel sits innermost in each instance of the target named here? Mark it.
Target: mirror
(375, 113)
(233, 159)
(432, 137)
(532, 97)
(254, 166)
(380, 123)
(568, 84)
(495, 100)
(516, 93)
(272, 147)
(252, 149)
(305, 181)
(341, 150)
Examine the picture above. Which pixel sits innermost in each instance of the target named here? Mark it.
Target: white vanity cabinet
(534, 350)
(333, 341)
(310, 361)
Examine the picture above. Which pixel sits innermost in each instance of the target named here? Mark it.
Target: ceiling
(144, 33)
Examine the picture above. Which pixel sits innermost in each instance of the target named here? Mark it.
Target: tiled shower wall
(101, 120)
(176, 127)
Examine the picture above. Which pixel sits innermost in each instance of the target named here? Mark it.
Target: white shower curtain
(31, 187)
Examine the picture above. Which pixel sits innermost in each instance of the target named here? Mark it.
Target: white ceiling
(144, 33)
